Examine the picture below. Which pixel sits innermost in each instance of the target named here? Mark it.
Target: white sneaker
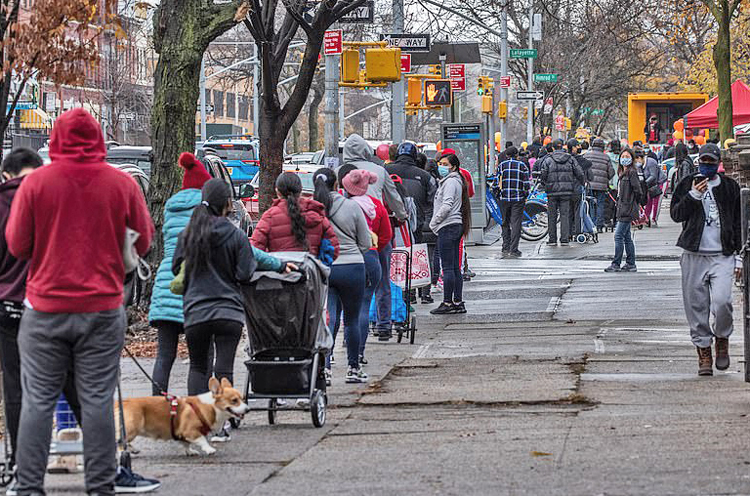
(329, 377)
(355, 376)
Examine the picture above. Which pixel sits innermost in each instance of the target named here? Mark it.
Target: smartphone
(699, 178)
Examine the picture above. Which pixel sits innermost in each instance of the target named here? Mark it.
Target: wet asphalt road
(561, 379)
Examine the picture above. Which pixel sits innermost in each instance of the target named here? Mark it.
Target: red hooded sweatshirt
(69, 219)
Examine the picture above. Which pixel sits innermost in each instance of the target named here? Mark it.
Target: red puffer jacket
(381, 224)
(274, 229)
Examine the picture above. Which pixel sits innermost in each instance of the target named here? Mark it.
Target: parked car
(249, 191)
(142, 156)
(240, 154)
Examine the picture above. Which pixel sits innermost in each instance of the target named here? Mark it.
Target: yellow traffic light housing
(525, 111)
(383, 65)
(502, 109)
(487, 104)
(437, 70)
(568, 123)
(481, 86)
(414, 92)
(350, 66)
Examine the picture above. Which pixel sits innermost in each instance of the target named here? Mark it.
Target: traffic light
(481, 89)
(525, 112)
(568, 123)
(414, 91)
(502, 109)
(487, 104)
(350, 65)
(383, 64)
(436, 69)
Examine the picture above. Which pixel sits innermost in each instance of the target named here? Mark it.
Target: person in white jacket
(451, 220)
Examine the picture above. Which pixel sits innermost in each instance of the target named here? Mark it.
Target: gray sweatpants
(707, 290)
(50, 344)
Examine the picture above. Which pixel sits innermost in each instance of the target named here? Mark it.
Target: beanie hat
(195, 173)
(356, 182)
(446, 152)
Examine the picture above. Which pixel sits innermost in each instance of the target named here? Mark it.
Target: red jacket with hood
(69, 219)
(274, 229)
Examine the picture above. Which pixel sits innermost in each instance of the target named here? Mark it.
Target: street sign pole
(447, 112)
(256, 92)
(503, 70)
(398, 114)
(530, 82)
(331, 109)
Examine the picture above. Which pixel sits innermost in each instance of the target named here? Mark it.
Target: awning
(35, 119)
(705, 116)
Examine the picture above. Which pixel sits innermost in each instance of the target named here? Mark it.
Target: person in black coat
(560, 174)
(418, 184)
(629, 199)
(574, 148)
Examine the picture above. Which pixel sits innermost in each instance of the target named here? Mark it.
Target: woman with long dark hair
(628, 210)
(218, 258)
(683, 162)
(346, 284)
(293, 223)
(451, 221)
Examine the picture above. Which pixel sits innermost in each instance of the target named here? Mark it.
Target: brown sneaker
(722, 353)
(705, 361)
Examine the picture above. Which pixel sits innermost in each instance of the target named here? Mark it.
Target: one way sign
(419, 42)
(529, 95)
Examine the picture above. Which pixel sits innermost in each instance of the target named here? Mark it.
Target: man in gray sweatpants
(69, 219)
(708, 205)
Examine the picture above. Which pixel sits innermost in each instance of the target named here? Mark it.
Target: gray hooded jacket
(359, 154)
(351, 229)
(448, 201)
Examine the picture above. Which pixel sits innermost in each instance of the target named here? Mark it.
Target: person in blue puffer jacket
(166, 311)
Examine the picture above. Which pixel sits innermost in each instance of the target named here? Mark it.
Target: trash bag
(287, 311)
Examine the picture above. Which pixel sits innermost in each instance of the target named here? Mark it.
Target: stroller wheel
(581, 238)
(272, 405)
(318, 408)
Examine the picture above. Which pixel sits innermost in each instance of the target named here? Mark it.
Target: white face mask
(626, 161)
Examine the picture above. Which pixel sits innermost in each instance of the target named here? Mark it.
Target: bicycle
(534, 225)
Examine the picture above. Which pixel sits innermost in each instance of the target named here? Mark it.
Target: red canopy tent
(705, 115)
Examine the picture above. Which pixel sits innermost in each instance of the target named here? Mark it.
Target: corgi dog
(189, 419)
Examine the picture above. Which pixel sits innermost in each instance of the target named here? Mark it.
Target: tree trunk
(722, 62)
(313, 125)
(271, 155)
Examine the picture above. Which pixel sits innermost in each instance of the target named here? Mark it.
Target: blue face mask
(708, 170)
(442, 170)
(626, 161)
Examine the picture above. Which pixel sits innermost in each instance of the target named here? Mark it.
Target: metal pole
(530, 82)
(491, 140)
(256, 92)
(447, 114)
(398, 114)
(330, 111)
(745, 201)
(203, 99)
(342, 121)
(504, 68)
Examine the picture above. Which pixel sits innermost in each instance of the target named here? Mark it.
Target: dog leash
(138, 364)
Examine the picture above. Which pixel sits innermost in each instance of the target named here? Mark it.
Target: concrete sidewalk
(561, 379)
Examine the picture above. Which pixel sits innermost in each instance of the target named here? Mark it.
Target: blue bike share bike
(534, 225)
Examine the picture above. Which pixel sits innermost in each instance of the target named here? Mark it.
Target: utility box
(350, 65)
(383, 65)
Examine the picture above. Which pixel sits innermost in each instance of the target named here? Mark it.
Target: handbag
(654, 191)
(130, 258)
(177, 286)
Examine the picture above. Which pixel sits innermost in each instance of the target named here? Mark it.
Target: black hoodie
(213, 293)
(12, 271)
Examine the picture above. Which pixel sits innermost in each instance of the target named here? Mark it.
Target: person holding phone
(708, 206)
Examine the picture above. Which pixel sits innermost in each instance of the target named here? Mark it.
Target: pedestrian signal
(414, 91)
(437, 92)
(350, 65)
(383, 64)
(487, 104)
(502, 109)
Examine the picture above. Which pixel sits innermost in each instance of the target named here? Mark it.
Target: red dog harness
(173, 404)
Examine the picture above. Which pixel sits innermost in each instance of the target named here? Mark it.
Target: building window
(244, 108)
(218, 103)
(230, 104)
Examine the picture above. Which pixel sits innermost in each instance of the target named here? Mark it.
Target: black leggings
(11, 367)
(226, 335)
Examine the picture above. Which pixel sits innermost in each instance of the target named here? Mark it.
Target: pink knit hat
(356, 182)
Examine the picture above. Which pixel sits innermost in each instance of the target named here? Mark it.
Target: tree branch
(218, 19)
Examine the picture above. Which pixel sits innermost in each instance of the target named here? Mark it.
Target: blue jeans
(449, 239)
(346, 289)
(601, 201)
(624, 241)
(383, 290)
(372, 279)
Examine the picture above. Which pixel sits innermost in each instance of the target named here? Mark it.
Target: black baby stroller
(288, 337)
(588, 227)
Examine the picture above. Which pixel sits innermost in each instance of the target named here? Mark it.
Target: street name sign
(364, 14)
(523, 53)
(545, 78)
(333, 42)
(529, 95)
(408, 42)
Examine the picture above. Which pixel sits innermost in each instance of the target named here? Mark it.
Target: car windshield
(145, 165)
(233, 151)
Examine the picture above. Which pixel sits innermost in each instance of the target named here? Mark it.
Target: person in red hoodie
(355, 182)
(70, 219)
(293, 223)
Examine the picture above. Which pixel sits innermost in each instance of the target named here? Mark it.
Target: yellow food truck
(668, 107)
